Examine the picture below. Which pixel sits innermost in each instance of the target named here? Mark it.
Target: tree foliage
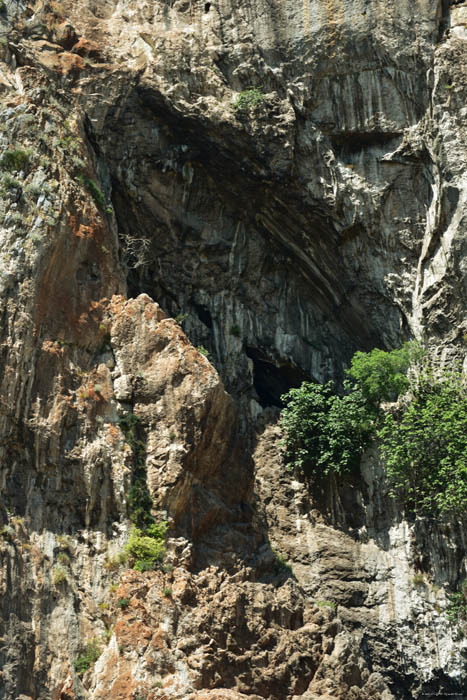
(325, 432)
(381, 375)
(147, 547)
(88, 657)
(248, 99)
(424, 446)
(423, 440)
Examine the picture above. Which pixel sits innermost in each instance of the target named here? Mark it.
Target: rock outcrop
(203, 204)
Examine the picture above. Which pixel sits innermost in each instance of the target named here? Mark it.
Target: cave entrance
(271, 380)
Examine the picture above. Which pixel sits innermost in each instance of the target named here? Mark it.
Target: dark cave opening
(203, 314)
(271, 380)
(355, 141)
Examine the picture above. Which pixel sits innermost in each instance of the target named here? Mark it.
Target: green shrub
(123, 603)
(181, 317)
(281, 565)
(203, 351)
(94, 189)
(129, 424)
(381, 375)
(58, 575)
(8, 532)
(8, 182)
(423, 442)
(324, 432)
(143, 565)
(326, 604)
(248, 99)
(14, 159)
(147, 547)
(140, 503)
(88, 657)
(139, 498)
(457, 608)
(65, 541)
(63, 559)
(424, 446)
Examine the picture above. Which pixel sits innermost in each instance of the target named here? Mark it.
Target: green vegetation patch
(381, 375)
(281, 565)
(14, 159)
(147, 548)
(424, 446)
(58, 575)
(146, 545)
(94, 190)
(457, 608)
(88, 657)
(325, 432)
(203, 351)
(248, 100)
(63, 559)
(326, 604)
(422, 438)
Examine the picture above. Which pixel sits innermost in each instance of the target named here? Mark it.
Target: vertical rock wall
(138, 195)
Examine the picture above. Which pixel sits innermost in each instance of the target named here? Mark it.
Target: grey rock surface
(287, 180)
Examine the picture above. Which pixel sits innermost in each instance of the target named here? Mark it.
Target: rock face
(287, 181)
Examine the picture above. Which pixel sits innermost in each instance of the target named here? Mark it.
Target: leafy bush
(147, 547)
(143, 565)
(8, 182)
(94, 190)
(139, 498)
(129, 423)
(326, 604)
(8, 532)
(381, 375)
(14, 159)
(203, 351)
(123, 603)
(248, 99)
(325, 432)
(140, 503)
(423, 442)
(457, 608)
(63, 559)
(88, 657)
(58, 575)
(65, 542)
(281, 565)
(425, 446)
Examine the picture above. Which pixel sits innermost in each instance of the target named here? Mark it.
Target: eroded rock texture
(139, 197)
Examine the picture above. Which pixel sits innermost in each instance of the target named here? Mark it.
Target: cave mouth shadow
(272, 379)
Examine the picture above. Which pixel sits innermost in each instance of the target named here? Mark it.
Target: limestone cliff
(277, 183)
